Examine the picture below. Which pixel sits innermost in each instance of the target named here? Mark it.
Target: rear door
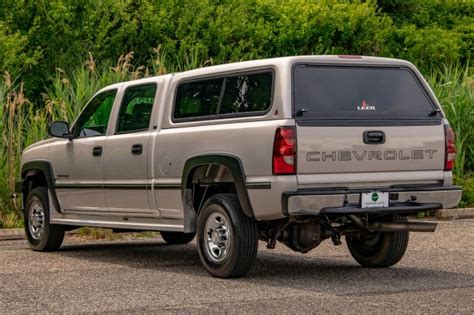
(126, 153)
(359, 120)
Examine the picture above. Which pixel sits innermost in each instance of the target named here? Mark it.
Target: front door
(78, 163)
(126, 153)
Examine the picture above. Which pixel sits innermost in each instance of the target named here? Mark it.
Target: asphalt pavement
(147, 276)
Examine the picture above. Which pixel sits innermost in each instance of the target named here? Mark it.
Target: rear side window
(359, 93)
(224, 97)
(198, 99)
(136, 107)
(247, 93)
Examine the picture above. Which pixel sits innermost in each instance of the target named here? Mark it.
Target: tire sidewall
(39, 194)
(382, 250)
(389, 249)
(222, 206)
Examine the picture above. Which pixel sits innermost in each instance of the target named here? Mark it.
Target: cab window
(136, 107)
(94, 120)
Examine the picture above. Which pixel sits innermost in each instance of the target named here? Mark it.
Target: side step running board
(120, 225)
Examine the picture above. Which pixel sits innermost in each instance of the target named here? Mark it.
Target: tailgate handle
(374, 137)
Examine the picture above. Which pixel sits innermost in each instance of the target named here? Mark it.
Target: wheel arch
(234, 166)
(35, 174)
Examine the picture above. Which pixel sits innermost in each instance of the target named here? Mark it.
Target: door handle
(97, 151)
(137, 149)
(374, 137)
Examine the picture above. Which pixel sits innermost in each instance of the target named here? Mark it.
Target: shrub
(36, 37)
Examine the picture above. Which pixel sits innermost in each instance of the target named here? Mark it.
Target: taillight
(450, 148)
(284, 151)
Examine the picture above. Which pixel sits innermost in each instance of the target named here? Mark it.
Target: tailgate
(343, 150)
(356, 119)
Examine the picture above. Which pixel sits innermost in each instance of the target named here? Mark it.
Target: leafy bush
(36, 37)
(428, 48)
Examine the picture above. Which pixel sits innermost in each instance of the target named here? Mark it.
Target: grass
(23, 123)
(98, 234)
(455, 90)
(89, 233)
(10, 220)
(454, 87)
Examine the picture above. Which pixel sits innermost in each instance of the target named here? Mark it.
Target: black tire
(379, 249)
(42, 236)
(175, 238)
(237, 231)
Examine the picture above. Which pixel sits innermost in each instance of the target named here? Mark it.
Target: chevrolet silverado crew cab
(294, 150)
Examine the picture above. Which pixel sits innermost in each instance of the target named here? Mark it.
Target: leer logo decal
(365, 106)
(375, 196)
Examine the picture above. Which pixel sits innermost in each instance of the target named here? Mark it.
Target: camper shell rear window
(360, 93)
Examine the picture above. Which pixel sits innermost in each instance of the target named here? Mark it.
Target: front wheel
(379, 249)
(41, 235)
(227, 239)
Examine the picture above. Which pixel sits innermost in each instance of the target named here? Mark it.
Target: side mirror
(60, 129)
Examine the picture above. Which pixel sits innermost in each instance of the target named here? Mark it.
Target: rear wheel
(41, 235)
(177, 237)
(227, 239)
(379, 249)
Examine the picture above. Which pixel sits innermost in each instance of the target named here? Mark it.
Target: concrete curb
(12, 234)
(454, 214)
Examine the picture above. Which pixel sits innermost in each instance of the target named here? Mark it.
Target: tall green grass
(454, 87)
(23, 123)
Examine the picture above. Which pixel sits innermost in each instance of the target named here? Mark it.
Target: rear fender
(233, 164)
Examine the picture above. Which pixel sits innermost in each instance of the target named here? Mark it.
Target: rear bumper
(347, 201)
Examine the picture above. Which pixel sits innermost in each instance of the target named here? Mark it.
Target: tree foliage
(36, 37)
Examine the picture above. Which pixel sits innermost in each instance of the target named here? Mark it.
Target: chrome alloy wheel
(36, 220)
(217, 241)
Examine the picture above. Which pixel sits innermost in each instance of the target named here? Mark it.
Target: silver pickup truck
(295, 150)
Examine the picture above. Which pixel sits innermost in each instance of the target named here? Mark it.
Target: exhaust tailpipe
(394, 226)
(403, 226)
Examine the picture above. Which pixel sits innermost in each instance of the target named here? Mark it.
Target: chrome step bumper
(346, 201)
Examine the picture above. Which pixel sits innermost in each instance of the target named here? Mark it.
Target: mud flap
(189, 213)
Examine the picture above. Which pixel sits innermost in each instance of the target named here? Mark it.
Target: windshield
(330, 92)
